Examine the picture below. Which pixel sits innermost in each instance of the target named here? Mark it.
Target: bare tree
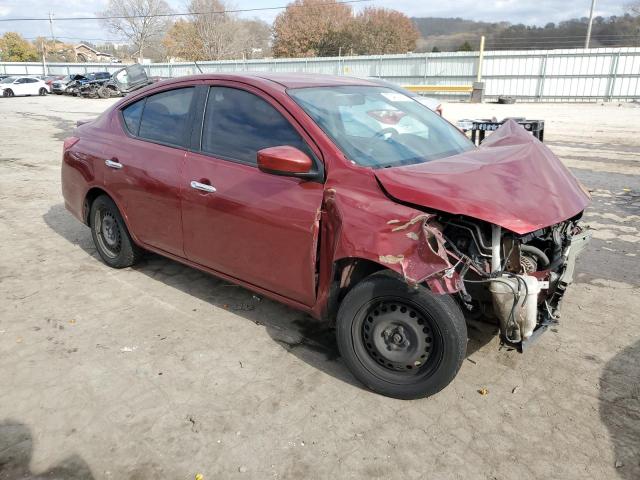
(216, 30)
(138, 21)
(634, 8)
(211, 33)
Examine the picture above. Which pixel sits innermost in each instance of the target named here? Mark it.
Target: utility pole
(588, 39)
(44, 62)
(51, 28)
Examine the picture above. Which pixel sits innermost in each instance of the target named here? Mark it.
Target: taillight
(69, 142)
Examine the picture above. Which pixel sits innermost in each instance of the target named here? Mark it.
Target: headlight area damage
(499, 229)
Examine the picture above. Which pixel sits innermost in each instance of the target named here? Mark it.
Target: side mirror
(286, 160)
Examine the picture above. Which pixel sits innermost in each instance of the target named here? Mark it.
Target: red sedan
(342, 198)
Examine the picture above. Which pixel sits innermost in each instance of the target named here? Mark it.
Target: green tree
(14, 48)
(465, 47)
(436, 49)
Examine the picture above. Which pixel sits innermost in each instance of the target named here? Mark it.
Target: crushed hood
(512, 180)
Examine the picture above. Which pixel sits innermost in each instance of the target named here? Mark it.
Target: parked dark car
(87, 85)
(49, 79)
(342, 198)
(59, 86)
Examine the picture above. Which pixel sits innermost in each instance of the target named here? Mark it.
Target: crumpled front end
(518, 279)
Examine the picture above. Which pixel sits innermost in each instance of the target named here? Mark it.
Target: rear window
(164, 116)
(132, 115)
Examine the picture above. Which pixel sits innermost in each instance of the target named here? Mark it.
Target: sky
(531, 12)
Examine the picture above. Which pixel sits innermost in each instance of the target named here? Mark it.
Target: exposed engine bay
(518, 279)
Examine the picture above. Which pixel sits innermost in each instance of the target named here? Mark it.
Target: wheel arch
(347, 273)
(89, 198)
(91, 195)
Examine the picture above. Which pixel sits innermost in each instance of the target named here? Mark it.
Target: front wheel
(8, 92)
(400, 341)
(110, 234)
(43, 92)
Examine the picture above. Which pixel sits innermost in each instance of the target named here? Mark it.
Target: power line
(121, 17)
(111, 40)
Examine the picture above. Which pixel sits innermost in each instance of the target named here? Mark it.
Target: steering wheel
(386, 131)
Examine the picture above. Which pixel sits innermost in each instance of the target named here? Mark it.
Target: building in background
(85, 53)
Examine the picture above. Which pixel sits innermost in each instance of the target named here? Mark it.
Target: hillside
(447, 34)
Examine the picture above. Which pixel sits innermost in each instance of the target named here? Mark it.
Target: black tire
(103, 92)
(400, 341)
(8, 92)
(43, 92)
(110, 234)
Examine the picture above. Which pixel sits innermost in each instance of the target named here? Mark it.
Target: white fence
(529, 75)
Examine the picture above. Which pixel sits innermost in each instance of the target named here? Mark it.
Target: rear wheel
(400, 341)
(104, 92)
(110, 234)
(8, 92)
(43, 92)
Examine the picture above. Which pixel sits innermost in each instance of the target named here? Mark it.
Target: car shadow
(620, 409)
(16, 451)
(298, 333)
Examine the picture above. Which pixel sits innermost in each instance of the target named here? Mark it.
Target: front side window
(165, 116)
(237, 124)
(379, 127)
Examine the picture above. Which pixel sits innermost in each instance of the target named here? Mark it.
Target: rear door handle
(203, 187)
(113, 164)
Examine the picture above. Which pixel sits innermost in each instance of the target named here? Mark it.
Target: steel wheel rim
(108, 232)
(400, 356)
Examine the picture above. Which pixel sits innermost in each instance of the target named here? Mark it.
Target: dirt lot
(161, 371)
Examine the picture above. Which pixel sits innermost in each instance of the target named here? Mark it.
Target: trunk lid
(512, 180)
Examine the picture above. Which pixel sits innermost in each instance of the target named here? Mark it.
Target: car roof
(287, 80)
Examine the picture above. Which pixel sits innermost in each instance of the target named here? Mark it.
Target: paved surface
(163, 372)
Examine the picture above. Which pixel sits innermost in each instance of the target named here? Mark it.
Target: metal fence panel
(535, 75)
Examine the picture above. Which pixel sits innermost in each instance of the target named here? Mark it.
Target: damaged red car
(342, 198)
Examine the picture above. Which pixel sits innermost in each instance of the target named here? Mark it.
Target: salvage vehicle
(87, 85)
(125, 81)
(58, 86)
(392, 237)
(17, 86)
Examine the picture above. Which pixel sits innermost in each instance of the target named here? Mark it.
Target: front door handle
(113, 164)
(203, 187)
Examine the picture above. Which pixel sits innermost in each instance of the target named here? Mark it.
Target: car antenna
(196, 64)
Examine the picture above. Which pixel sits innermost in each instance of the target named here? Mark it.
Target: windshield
(380, 127)
(8, 80)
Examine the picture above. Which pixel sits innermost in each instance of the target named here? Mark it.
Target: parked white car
(15, 86)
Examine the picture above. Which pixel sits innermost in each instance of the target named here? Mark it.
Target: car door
(253, 226)
(143, 165)
(32, 86)
(20, 86)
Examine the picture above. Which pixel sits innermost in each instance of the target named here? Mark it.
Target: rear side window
(165, 116)
(132, 115)
(237, 124)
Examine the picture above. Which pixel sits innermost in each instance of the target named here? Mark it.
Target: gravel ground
(161, 371)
